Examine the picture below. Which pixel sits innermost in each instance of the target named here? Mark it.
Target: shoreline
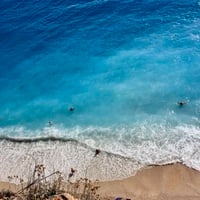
(172, 181)
(62, 156)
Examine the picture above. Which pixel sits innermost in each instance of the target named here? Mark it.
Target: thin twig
(35, 181)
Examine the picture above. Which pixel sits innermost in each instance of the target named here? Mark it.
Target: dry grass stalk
(41, 187)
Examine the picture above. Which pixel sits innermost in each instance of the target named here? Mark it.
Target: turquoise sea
(121, 66)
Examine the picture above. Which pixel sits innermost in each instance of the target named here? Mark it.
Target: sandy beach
(172, 182)
(169, 182)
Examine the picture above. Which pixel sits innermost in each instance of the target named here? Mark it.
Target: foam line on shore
(59, 155)
(56, 139)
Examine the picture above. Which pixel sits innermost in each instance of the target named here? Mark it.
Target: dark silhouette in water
(71, 109)
(50, 123)
(181, 103)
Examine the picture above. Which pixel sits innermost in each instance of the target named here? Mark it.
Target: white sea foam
(124, 149)
(58, 155)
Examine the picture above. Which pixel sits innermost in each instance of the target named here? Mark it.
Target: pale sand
(169, 182)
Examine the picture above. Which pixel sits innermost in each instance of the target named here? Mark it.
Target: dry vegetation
(53, 186)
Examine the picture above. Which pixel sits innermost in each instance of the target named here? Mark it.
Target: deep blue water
(122, 65)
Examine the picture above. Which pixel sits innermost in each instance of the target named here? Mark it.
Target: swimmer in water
(181, 103)
(50, 123)
(71, 109)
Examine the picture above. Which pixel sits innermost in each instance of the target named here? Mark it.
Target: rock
(64, 196)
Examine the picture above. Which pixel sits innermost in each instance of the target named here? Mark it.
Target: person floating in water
(181, 103)
(71, 109)
(50, 123)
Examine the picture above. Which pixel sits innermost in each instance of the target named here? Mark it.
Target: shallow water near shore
(123, 66)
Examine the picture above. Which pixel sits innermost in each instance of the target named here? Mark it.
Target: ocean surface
(121, 65)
